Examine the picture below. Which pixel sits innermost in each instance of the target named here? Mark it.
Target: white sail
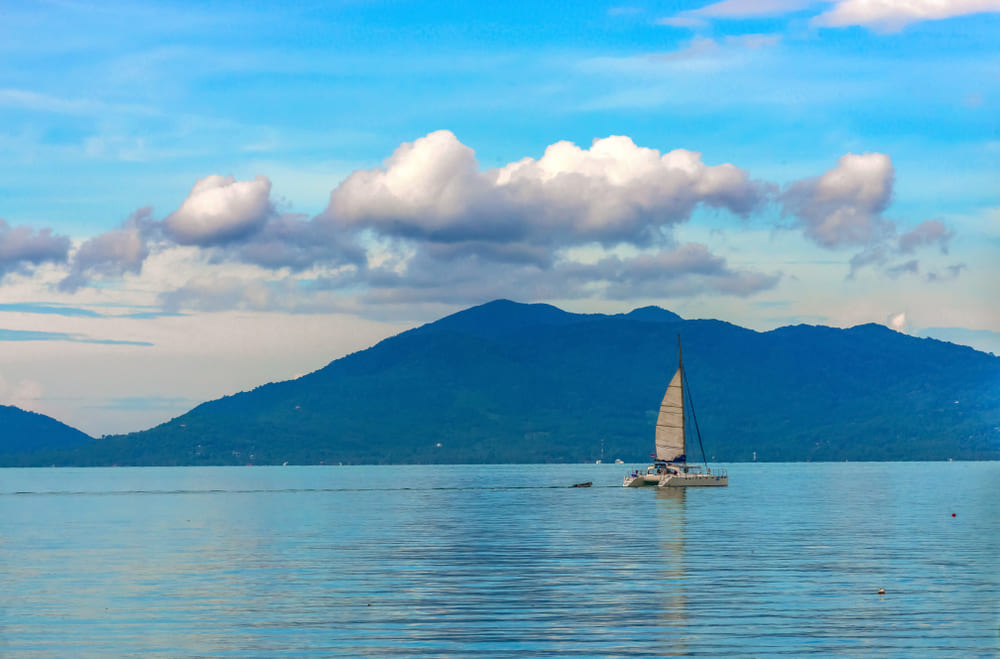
(670, 423)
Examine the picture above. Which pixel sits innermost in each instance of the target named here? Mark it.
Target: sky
(197, 198)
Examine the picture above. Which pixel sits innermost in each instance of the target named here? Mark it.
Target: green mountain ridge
(32, 435)
(508, 382)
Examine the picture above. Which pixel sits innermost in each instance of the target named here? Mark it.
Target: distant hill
(508, 382)
(25, 433)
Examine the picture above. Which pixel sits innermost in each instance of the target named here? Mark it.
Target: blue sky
(200, 197)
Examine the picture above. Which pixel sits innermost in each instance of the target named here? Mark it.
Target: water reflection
(671, 528)
(491, 574)
(317, 562)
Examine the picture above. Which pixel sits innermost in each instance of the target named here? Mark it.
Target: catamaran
(670, 467)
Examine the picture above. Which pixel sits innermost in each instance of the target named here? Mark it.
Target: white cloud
(614, 192)
(894, 15)
(898, 322)
(430, 226)
(844, 206)
(221, 209)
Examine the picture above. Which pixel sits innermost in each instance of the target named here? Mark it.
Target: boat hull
(642, 480)
(695, 480)
(677, 480)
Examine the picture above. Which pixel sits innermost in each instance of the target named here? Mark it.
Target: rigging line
(694, 417)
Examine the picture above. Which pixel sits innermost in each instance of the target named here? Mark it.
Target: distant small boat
(587, 484)
(670, 468)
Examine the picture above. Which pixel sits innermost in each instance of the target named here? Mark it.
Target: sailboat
(670, 467)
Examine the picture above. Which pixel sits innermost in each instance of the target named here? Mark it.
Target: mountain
(24, 433)
(509, 382)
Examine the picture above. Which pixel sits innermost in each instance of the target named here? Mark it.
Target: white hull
(673, 476)
(642, 480)
(695, 480)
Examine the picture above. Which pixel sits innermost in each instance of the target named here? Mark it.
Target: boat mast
(680, 355)
(686, 391)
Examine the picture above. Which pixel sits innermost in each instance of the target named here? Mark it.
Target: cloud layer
(430, 225)
(879, 15)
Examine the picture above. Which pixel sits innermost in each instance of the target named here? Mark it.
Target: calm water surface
(500, 561)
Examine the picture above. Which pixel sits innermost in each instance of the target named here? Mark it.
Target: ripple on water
(298, 562)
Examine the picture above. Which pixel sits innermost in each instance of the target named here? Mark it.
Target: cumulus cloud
(898, 322)
(430, 225)
(219, 210)
(229, 220)
(894, 15)
(615, 192)
(22, 247)
(440, 229)
(112, 254)
(844, 206)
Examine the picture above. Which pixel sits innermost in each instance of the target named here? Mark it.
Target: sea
(500, 561)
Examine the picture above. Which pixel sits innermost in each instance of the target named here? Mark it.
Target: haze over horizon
(197, 199)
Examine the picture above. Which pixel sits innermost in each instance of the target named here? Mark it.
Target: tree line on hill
(514, 383)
